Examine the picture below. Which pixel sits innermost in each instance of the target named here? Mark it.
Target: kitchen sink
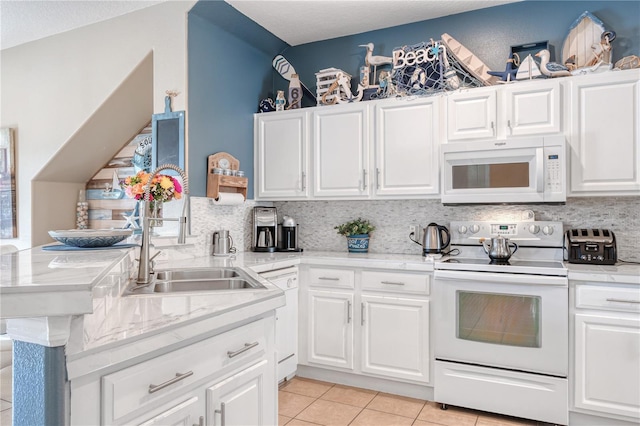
(196, 274)
(205, 285)
(198, 280)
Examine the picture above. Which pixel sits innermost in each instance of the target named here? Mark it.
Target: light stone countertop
(620, 273)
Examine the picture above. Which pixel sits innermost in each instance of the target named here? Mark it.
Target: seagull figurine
(374, 60)
(551, 69)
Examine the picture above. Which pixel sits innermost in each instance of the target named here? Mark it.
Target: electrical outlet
(412, 229)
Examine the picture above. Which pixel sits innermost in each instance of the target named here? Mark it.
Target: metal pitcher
(222, 243)
(500, 248)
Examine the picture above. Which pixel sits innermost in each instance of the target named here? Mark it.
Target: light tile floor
(311, 402)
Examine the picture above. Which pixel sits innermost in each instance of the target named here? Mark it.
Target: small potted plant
(357, 232)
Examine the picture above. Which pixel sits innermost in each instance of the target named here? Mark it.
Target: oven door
(511, 321)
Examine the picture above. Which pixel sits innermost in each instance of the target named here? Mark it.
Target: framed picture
(8, 228)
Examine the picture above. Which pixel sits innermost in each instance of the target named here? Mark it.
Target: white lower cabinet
(242, 399)
(330, 332)
(227, 379)
(395, 337)
(377, 327)
(607, 350)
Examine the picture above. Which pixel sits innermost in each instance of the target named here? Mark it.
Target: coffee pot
(435, 238)
(499, 250)
(222, 243)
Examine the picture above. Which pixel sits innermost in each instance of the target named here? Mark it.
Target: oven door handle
(500, 278)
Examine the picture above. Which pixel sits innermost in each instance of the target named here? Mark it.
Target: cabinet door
(406, 148)
(287, 331)
(531, 108)
(330, 333)
(471, 115)
(341, 141)
(186, 413)
(395, 337)
(606, 364)
(281, 155)
(605, 134)
(246, 398)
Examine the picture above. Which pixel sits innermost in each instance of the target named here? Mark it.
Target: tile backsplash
(393, 217)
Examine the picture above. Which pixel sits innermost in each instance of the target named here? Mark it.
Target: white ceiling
(304, 21)
(293, 21)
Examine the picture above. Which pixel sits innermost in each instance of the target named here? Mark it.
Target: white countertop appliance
(524, 170)
(502, 327)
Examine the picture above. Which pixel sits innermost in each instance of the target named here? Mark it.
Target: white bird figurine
(551, 69)
(370, 59)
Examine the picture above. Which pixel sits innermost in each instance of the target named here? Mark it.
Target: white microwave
(524, 170)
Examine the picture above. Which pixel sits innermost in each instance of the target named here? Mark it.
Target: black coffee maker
(288, 235)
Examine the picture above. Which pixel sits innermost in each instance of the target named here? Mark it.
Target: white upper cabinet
(406, 147)
(605, 134)
(281, 155)
(500, 112)
(341, 151)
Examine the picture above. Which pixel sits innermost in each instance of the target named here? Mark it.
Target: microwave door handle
(540, 170)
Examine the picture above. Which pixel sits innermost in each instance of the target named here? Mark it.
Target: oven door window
(502, 319)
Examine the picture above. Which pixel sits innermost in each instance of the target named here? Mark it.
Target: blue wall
(229, 72)
(230, 60)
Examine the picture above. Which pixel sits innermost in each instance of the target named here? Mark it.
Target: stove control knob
(462, 229)
(474, 228)
(534, 229)
(547, 230)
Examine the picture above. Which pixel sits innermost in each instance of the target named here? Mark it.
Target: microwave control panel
(554, 169)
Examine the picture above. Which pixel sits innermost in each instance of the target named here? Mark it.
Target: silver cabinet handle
(377, 178)
(392, 282)
(623, 300)
(348, 312)
(329, 278)
(222, 412)
(247, 346)
(364, 180)
(303, 183)
(362, 313)
(509, 126)
(493, 129)
(200, 421)
(156, 388)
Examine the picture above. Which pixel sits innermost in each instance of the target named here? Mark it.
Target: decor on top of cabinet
(295, 93)
(267, 104)
(428, 68)
(509, 73)
(468, 60)
(628, 62)
(226, 183)
(551, 69)
(528, 69)
(372, 60)
(286, 70)
(334, 86)
(587, 47)
(357, 232)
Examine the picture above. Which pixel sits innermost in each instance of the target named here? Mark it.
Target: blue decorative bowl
(89, 238)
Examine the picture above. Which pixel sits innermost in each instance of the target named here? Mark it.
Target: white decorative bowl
(90, 237)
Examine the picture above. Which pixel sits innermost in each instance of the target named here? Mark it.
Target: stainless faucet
(145, 267)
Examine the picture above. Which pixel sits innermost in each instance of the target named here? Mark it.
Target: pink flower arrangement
(163, 188)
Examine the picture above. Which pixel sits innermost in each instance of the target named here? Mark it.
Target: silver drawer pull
(200, 422)
(222, 412)
(623, 300)
(392, 282)
(156, 388)
(329, 278)
(247, 346)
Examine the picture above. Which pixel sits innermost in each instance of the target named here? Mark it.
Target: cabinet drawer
(138, 388)
(329, 277)
(610, 298)
(396, 282)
